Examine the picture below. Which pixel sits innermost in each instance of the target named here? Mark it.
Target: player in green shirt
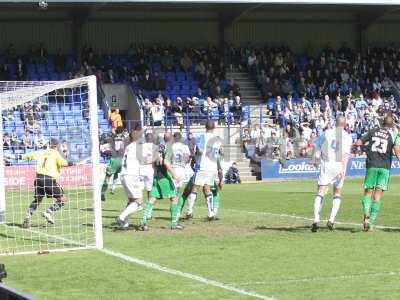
(112, 171)
(163, 186)
(379, 145)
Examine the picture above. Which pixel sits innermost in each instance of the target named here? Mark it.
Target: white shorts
(330, 173)
(133, 186)
(147, 174)
(180, 172)
(202, 177)
(188, 173)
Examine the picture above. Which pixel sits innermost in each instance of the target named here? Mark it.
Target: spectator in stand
(115, 119)
(60, 61)
(31, 124)
(233, 87)
(246, 142)
(27, 141)
(146, 107)
(64, 149)
(37, 111)
(208, 105)
(4, 73)
(167, 62)
(110, 77)
(141, 68)
(157, 113)
(168, 111)
(6, 141)
(41, 54)
(146, 82)
(236, 109)
(226, 115)
(15, 141)
(186, 62)
(177, 111)
(11, 54)
(39, 141)
(8, 115)
(20, 70)
(200, 73)
(158, 82)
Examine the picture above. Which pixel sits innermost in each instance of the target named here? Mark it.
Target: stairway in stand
(251, 95)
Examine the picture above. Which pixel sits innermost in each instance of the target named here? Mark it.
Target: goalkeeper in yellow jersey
(48, 167)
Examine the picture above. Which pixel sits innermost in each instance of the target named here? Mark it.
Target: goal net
(34, 113)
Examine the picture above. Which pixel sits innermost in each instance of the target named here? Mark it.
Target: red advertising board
(79, 175)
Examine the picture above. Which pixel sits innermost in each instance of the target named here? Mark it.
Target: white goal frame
(31, 91)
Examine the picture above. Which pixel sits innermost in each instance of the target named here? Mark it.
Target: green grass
(253, 247)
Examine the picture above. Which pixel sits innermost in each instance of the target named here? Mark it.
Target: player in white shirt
(333, 147)
(148, 153)
(209, 154)
(131, 181)
(180, 159)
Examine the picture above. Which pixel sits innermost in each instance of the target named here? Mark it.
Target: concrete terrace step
(248, 178)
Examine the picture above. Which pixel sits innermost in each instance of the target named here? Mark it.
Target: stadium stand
(301, 94)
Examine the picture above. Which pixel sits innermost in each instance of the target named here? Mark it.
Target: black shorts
(47, 186)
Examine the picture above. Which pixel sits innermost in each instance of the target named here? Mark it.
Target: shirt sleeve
(30, 156)
(397, 140)
(168, 154)
(61, 162)
(319, 141)
(366, 137)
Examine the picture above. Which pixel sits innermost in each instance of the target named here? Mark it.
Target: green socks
(376, 205)
(174, 209)
(366, 203)
(147, 210)
(181, 204)
(216, 204)
(104, 187)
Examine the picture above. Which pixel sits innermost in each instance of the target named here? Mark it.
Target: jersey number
(335, 145)
(379, 145)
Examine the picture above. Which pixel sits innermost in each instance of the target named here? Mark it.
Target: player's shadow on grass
(396, 230)
(90, 209)
(35, 226)
(304, 228)
(160, 209)
(286, 229)
(109, 217)
(116, 228)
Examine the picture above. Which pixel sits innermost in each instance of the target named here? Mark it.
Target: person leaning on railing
(115, 119)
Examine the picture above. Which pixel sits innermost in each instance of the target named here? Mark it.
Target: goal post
(94, 128)
(33, 113)
(2, 178)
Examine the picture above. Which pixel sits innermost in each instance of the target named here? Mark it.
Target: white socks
(335, 208)
(130, 209)
(210, 204)
(318, 203)
(191, 200)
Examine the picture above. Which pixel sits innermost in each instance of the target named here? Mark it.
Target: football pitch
(261, 248)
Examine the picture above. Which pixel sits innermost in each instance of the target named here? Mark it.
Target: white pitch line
(311, 279)
(302, 218)
(194, 277)
(157, 267)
